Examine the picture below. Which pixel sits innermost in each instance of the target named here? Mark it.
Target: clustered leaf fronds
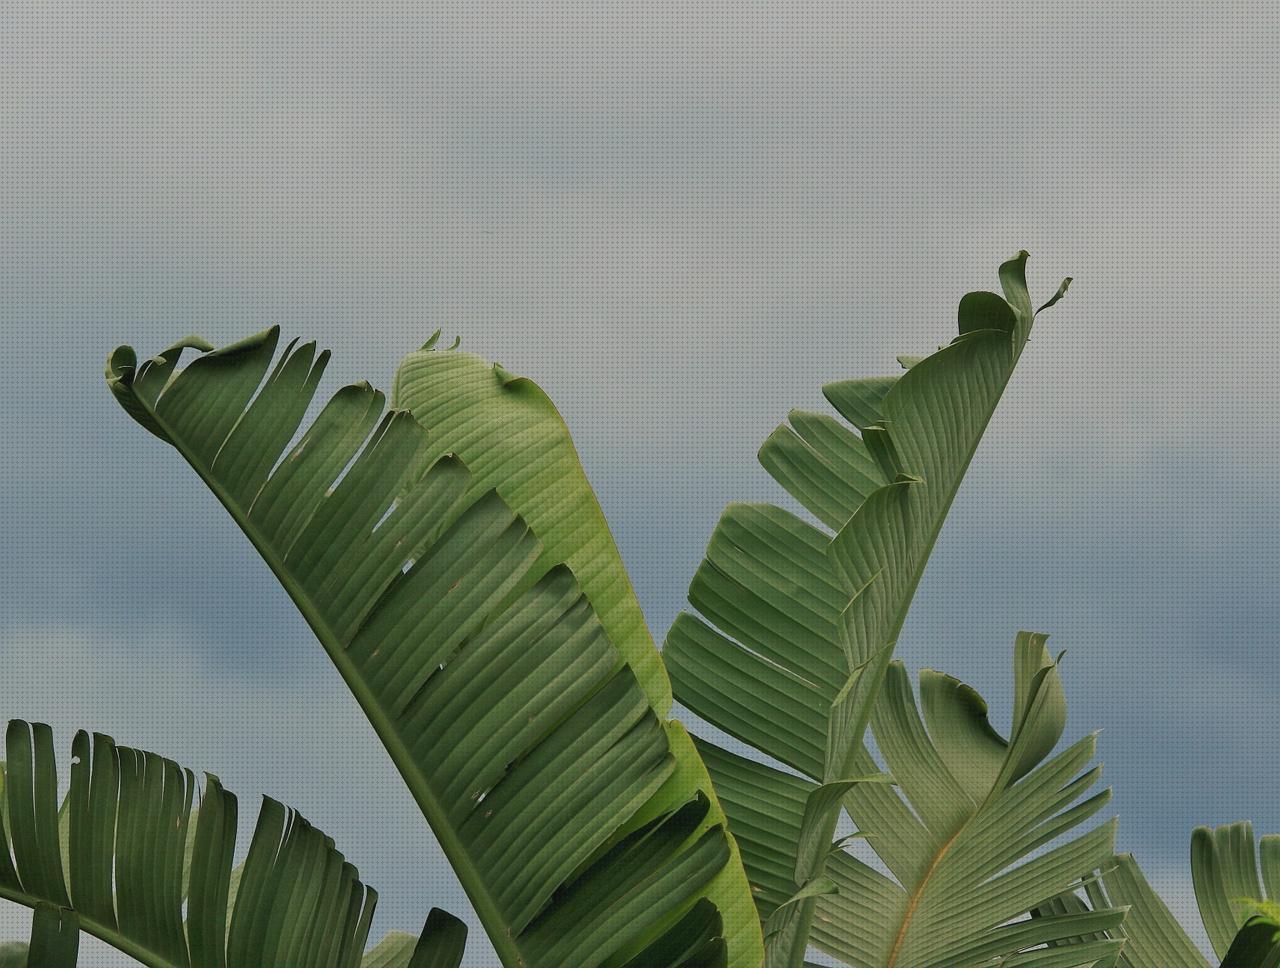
(453, 561)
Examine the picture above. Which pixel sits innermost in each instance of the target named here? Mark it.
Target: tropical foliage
(799, 621)
(129, 857)
(572, 813)
(1237, 907)
(508, 433)
(451, 558)
(970, 807)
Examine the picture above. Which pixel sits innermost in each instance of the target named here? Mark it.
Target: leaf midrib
(914, 902)
(916, 895)
(809, 907)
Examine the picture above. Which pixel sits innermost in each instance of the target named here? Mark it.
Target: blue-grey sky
(681, 219)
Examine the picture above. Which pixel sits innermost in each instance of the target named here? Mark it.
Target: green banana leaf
(1256, 945)
(520, 729)
(798, 621)
(512, 439)
(129, 858)
(1225, 865)
(55, 940)
(441, 945)
(963, 835)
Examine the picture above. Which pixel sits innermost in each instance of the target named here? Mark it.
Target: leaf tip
(1062, 291)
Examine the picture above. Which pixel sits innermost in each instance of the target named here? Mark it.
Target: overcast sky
(681, 219)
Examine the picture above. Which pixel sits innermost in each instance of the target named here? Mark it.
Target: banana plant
(512, 438)
(139, 855)
(532, 736)
(1237, 906)
(452, 559)
(977, 807)
(957, 836)
(799, 620)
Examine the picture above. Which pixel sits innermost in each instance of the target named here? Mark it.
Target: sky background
(681, 220)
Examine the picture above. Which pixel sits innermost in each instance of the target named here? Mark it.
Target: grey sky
(681, 219)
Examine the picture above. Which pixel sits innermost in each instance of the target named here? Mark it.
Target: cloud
(681, 220)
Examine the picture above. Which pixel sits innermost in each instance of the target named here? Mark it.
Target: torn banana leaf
(522, 732)
(141, 856)
(798, 620)
(1236, 879)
